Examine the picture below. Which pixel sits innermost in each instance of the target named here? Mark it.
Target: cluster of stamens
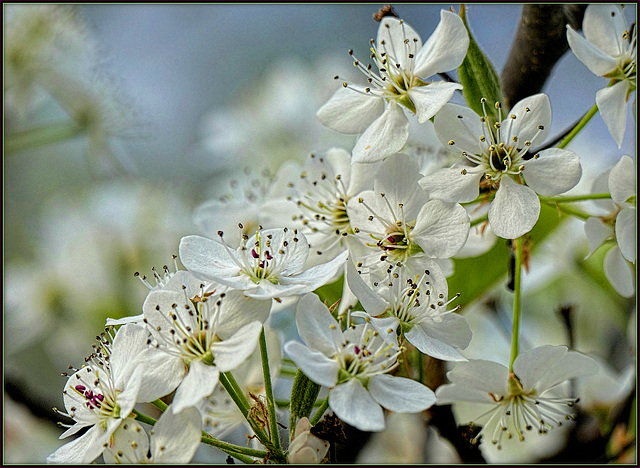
(393, 80)
(500, 150)
(161, 280)
(323, 201)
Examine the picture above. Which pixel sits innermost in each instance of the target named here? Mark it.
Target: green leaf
(303, 396)
(479, 78)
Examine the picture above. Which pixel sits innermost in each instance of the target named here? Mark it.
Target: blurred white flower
(619, 226)
(494, 159)
(404, 64)
(355, 365)
(609, 48)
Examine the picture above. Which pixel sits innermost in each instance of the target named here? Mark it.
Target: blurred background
(124, 118)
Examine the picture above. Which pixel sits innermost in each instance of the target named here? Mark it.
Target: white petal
(313, 364)
(452, 184)
(451, 393)
(627, 233)
(130, 442)
(429, 99)
(317, 328)
(400, 394)
(238, 310)
(622, 180)
(431, 346)
(362, 177)
(465, 131)
(619, 273)
(393, 32)
(487, 376)
(296, 253)
(596, 60)
(350, 111)
(603, 26)
(531, 365)
(611, 103)
(452, 329)
(371, 302)
(197, 385)
(162, 374)
(525, 125)
(514, 211)
(128, 397)
(441, 229)
(353, 404)
(83, 450)
(207, 259)
(230, 353)
(555, 171)
(569, 366)
(397, 177)
(445, 49)
(129, 342)
(385, 136)
(318, 275)
(597, 232)
(176, 437)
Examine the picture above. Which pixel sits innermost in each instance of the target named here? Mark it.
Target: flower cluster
(361, 247)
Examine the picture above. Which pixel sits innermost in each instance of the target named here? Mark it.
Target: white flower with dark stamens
(268, 265)
(355, 365)
(404, 65)
(618, 228)
(325, 186)
(495, 158)
(398, 225)
(418, 306)
(202, 336)
(609, 49)
(529, 399)
(102, 394)
(173, 439)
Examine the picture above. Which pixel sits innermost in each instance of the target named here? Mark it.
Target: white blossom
(355, 365)
(609, 49)
(268, 265)
(306, 448)
(618, 227)
(495, 158)
(416, 305)
(527, 399)
(404, 65)
(174, 439)
(101, 395)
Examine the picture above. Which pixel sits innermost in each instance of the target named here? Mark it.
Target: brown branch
(539, 43)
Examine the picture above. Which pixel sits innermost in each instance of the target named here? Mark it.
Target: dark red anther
(254, 254)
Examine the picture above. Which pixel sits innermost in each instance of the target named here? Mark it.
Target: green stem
(232, 449)
(40, 136)
(480, 220)
(243, 458)
(517, 302)
(575, 198)
(273, 421)
(320, 412)
(288, 372)
(578, 128)
(144, 418)
(161, 405)
(235, 392)
(571, 211)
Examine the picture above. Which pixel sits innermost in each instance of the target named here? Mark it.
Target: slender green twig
(235, 392)
(578, 128)
(517, 301)
(144, 418)
(320, 412)
(576, 198)
(568, 210)
(480, 220)
(273, 421)
(40, 136)
(161, 405)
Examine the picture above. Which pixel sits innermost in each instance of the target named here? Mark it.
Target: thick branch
(539, 43)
